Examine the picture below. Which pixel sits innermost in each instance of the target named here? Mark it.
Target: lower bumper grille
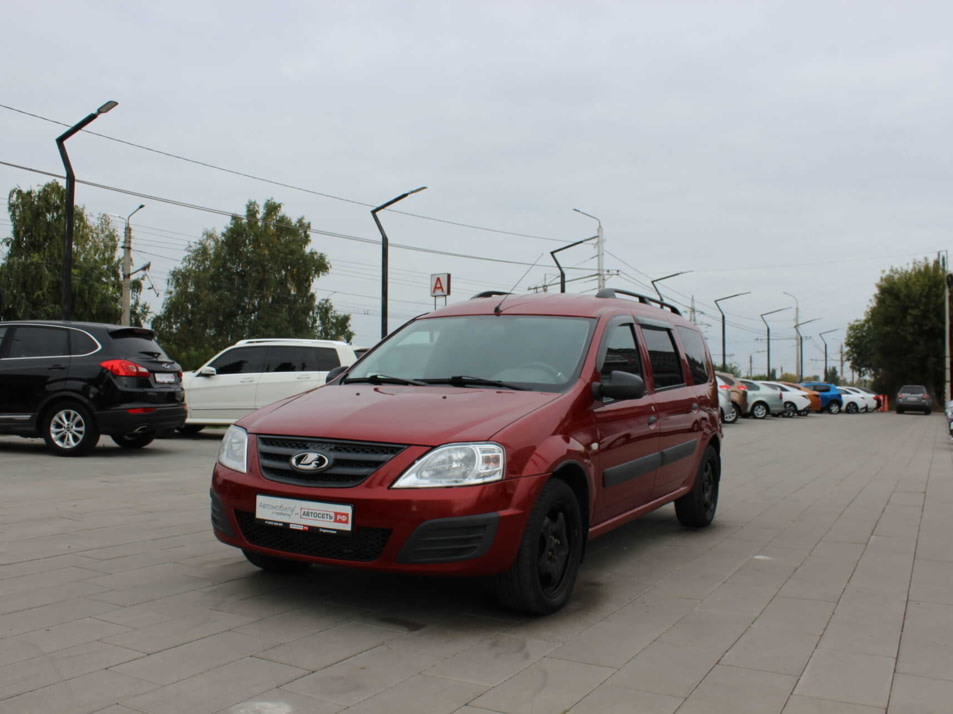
(361, 545)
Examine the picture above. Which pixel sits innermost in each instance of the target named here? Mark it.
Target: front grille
(361, 545)
(351, 461)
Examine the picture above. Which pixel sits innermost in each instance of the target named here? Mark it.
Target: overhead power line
(281, 183)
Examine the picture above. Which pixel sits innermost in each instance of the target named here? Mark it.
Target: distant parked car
(914, 398)
(868, 403)
(737, 390)
(796, 401)
(763, 400)
(253, 373)
(878, 400)
(831, 399)
(729, 412)
(814, 396)
(69, 382)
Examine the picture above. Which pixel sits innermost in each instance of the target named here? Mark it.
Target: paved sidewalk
(824, 586)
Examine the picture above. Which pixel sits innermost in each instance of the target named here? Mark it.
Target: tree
(253, 280)
(31, 273)
(900, 339)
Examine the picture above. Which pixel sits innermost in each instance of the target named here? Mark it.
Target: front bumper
(472, 530)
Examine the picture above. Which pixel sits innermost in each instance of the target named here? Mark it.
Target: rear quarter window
(696, 353)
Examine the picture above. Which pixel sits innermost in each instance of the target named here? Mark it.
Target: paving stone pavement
(824, 586)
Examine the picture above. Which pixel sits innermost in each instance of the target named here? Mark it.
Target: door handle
(695, 407)
(652, 419)
(56, 367)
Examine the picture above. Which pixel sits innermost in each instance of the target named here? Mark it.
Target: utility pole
(127, 267)
(946, 327)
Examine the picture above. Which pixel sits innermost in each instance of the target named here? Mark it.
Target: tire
(899, 410)
(696, 509)
(851, 408)
(733, 416)
(541, 579)
(69, 429)
(759, 410)
(134, 441)
(804, 412)
(190, 428)
(790, 409)
(833, 408)
(274, 564)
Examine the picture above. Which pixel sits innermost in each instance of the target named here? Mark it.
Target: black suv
(69, 382)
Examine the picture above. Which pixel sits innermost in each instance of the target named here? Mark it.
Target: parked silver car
(763, 400)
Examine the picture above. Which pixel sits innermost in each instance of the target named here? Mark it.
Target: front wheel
(759, 410)
(696, 509)
(134, 441)
(69, 429)
(834, 408)
(732, 416)
(541, 579)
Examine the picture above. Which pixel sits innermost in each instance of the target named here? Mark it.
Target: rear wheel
(732, 416)
(541, 579)
(834, 407)
(790, 409)
(696, 509)
(134, 441)
(190, 428)
(69, 429)
(273, 564)
(851, 408)
(759, 410)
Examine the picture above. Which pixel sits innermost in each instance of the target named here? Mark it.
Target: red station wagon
(493, 437)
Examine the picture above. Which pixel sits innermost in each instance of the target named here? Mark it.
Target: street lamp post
(724, 356)
(666, 277)
(66, 295)
(384, 251)
(768, 328)
(127, 267)
(600, 251)
(821, 335)
(800, 347)
(797, 317)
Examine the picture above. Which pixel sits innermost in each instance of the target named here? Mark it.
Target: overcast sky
(771, 147)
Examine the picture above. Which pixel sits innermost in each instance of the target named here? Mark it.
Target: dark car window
(137, 342)
(666, 366)
(820, 388)
(696, 354)
(81, 344)
(913, 389)
(622, 352)
(37, 341)
(241, 360)
(288, 358)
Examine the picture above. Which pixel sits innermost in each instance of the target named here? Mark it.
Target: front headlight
(233, 452)
(456, 465)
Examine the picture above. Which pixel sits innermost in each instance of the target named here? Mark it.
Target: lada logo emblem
(310, 461)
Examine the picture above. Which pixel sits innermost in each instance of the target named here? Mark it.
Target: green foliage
(733, 369)
(31, 273)
(831, 376)
(252, 281)
(900, 339)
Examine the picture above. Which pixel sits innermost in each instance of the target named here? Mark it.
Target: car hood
(425, 416)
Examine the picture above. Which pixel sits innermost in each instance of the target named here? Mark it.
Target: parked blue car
(831, 399)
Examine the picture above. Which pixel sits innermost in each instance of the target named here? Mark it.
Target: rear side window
(302, 359)
(821, 388)
(136, 342)
(241, 360)
(81, 344)
(696, 354)
(622, 352)
(666, 365)
(36, 341)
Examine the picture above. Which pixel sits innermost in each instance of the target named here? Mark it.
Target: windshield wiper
(385, 379)
(461, 380)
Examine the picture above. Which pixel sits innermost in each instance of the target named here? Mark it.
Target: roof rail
(644, 299)
(490, 293)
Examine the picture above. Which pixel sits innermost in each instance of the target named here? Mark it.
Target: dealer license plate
(165, 377)
(304, 515)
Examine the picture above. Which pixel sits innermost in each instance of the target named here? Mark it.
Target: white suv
(252, 373)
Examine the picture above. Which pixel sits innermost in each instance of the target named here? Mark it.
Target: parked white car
(252, 373)
(729, 412)
(864, 402)
(795, 400)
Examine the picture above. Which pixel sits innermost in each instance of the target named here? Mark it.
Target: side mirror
(621, 385)
(207, 372)
(335, 373)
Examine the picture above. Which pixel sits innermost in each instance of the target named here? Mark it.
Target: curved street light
(768, 328)
(600, 259)
(797, 316)
(666, 277)
(384, 254)
(66, 295)
(800, 347)
(724, 356)
(821, 335)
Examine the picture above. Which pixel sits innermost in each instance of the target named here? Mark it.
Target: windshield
(529, 351)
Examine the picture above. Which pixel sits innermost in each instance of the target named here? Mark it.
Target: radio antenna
(497, 309)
